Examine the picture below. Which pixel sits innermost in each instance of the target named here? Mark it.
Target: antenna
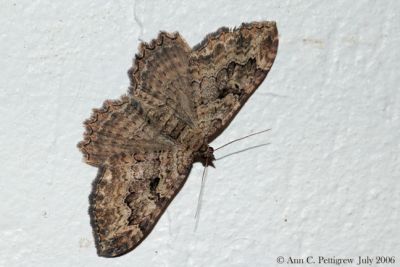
(200, 199)
(244, 137)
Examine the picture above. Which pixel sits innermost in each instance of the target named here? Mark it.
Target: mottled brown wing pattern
(120, 126)
(160, 82)
(179, 99)
(130, 194)
(226, 68)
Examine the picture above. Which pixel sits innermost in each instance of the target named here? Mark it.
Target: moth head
(205, 155)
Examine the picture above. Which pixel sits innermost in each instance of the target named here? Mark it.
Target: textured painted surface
(328, 183)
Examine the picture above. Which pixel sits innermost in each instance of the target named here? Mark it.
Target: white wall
(327, 185)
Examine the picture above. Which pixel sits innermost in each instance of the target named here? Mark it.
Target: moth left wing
(120, 126)
(130, 194)
(226, 68)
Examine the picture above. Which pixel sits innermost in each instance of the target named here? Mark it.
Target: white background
(326, 185)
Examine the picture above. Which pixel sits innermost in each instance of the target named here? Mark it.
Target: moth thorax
(205, 155)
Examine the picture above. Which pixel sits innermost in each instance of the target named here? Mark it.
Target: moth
(179, 100)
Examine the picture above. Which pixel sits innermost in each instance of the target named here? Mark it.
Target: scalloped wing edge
(143, 48)
(218, 33)
(107, 107)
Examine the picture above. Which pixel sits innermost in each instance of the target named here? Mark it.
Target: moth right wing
(159, 78)
(226, 68)
(131, 193)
